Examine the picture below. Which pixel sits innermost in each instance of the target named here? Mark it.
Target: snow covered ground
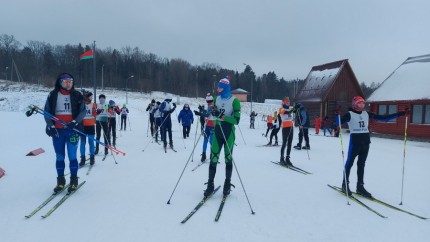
(127, 201)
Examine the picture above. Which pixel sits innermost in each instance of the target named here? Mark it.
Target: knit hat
(209, 98)
(111, 103)
(225, 85)
(169, 98)
(153, 101)
(61, 77)
(355, 101)
(102, 96)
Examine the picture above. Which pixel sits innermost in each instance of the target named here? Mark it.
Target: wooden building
(329, 88)
(408, 86)
(240, 94)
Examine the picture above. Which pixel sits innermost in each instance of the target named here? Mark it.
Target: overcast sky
(288, 37)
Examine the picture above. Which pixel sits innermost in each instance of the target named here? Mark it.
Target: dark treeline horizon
(38, 62)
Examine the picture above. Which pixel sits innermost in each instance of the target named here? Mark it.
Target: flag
(87, 55)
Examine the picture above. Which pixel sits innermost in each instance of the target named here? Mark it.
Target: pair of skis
(353, 198)
(165, 149)
(293, 168)
(58, 204)
(200, 204)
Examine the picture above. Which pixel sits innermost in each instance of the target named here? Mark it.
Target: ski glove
(51, 131)
(217, 113)
(174, 105)
(72, 125)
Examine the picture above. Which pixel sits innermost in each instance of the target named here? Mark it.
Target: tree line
(39, 62)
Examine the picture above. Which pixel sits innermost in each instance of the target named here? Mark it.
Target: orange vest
(287, 119)
(269, 119)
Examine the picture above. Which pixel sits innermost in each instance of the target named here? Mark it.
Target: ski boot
(227, 187)
(360, 190)
(171, 146)
(97, 150)
(61, 182)
(276, 143)
(203, 157)
(269, 144)
(307, 147)
(82, 163)
(92, 160)
(73, 184)
(209, 189)
(298, 147)
(345, 188)
(288, 162)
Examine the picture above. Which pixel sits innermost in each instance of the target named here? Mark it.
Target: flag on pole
(87, 55)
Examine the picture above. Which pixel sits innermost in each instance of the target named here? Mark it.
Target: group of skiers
(76, 111)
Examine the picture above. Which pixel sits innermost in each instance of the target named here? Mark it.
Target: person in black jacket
(358, 122)
(66, 104)
(302, 118)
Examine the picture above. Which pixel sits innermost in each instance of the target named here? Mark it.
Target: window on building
(421, 114)
(384, 109)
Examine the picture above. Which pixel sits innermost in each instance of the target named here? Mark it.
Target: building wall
(241, 97)
(398, 127)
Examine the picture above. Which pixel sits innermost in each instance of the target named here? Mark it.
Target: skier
(326, 124)
(166, 123)
(113, 110)
(302, 118)
(209, 128)
(157, 117)
(285, 117)
(358, 122)
(124, 114)
(66, 104)
(88, 122)
(186, 117)
(252, 120)
(101, 122)
(269, 124)
(317, 124)
(150, 109)
(226, 110)
(275, 129)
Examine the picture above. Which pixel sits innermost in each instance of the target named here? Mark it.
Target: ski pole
(108, 140)
(186, 164)
(34, 108)
(404, 157)
(241, 134)
(195, 136)
(129, 123)
(235, 167)
(343, 162)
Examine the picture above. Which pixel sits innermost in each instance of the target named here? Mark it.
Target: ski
(293, 168)
(199, 205)
(390, 206)
(63, 199)
(221, 206)
(50, 198)
(195, 168)
(173, 149)
(338, 189)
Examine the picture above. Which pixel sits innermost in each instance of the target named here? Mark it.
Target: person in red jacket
(317, 123)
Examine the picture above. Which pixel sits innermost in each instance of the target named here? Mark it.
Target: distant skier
(151, 107)
(101, 122)
(269, 123)
(302, 118)
(209, 128)
(187, 118)
(124, 115)
(317, 124)
(226, 110)
(113, 110)
(359, 142)
(89, 123)
(166, 123)
(202, 117)
(275, 129)
(157, 117)
(66, 104)
(252, 120)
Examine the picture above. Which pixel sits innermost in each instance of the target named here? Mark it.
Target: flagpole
(94, 72)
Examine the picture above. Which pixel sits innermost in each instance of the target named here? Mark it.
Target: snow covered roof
(410, 81)
(239, 91)
(319, 81)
